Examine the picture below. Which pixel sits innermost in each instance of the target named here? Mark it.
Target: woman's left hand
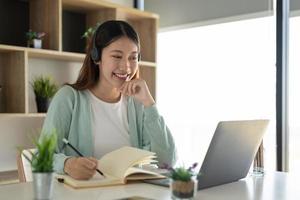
(138, 89)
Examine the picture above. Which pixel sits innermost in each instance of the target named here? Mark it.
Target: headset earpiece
(94, 52)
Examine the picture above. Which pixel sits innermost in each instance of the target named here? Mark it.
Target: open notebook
(118, 166)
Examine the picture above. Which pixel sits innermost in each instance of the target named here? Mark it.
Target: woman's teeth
(122, 76)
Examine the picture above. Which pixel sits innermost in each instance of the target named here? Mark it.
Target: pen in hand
(80, 154)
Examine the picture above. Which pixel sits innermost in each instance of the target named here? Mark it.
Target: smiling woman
(108, 107)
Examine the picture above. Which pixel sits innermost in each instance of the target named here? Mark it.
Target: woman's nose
(124, 65)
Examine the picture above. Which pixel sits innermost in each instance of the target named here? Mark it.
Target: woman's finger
(130, 88)
(89, 164)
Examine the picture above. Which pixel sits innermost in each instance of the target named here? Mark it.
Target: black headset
(95, 55)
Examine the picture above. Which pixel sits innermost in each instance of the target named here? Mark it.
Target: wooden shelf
(10, 48)
(39, 115)
(64, 21)
(51, 54)
(44, 53)
(84, 6)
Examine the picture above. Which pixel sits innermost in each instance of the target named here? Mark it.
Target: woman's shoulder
(67, 92)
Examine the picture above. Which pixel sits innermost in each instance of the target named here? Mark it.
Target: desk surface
(273, 186)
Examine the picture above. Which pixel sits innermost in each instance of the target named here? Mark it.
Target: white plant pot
(37, 43)
(42, 185)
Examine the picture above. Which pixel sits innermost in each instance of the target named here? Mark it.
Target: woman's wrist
(149, 102)
(67, 164)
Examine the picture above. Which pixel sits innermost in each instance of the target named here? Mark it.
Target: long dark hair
(105, 34)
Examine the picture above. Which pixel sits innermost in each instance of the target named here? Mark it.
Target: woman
(108, 106)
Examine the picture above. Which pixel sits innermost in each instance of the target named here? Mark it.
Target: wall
(128, 3)
(15, 131)
(176, 13)
(295, 7)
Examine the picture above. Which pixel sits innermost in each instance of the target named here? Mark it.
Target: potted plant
(42, 165)
(34, 39)
(183, 184)
(88, 34)
(44, 89)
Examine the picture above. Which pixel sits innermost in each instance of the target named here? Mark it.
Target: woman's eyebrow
(117, 51)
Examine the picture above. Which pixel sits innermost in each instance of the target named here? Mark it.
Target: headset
(95, 54)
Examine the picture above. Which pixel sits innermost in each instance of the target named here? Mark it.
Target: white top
(109, 125)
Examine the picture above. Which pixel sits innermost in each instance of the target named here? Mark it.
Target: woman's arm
(59, 118)
(158, 137)
(155, 134)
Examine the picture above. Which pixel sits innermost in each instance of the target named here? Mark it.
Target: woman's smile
(121, 76)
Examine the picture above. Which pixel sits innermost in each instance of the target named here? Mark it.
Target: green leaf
(44, 87)
(42, 160)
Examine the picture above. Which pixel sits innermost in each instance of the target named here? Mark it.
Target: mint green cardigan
(70, 114)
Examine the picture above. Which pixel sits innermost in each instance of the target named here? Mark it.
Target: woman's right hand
(81, 168)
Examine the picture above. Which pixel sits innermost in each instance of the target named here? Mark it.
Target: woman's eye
(117, 57)
(134, 58)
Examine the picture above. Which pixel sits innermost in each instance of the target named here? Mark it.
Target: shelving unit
(63, 43)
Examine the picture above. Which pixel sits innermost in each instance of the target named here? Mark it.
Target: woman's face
(119, 62)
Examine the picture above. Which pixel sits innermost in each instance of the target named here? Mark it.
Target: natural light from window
(214, 73)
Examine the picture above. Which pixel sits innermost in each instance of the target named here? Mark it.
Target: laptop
(230, 153)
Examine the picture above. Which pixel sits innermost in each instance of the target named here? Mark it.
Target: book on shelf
(118, 167)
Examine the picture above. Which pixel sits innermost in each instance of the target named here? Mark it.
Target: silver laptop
(230, 153)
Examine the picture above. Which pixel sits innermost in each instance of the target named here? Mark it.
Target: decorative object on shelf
(183, 185)
(258, 163)
(138, 4)
(44, 89)
(88, 34)
(34, 39)
(42, 165)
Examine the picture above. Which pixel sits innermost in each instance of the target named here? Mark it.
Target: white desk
(273, 186)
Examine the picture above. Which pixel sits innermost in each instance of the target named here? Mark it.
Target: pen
(80, 154)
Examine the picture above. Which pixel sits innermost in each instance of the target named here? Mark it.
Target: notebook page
(117, 162)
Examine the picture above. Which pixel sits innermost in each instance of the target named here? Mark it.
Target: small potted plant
(88, 34)
(183, 185)
(34, 39)
(42, 165)
(44, 89)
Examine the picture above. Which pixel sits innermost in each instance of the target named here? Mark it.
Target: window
(214, 73)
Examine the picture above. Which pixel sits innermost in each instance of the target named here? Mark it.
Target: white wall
(178, 12)
(15, 131)
(128, 3)
(295, 7)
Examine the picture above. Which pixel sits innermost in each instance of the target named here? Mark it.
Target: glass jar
(183, 189)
